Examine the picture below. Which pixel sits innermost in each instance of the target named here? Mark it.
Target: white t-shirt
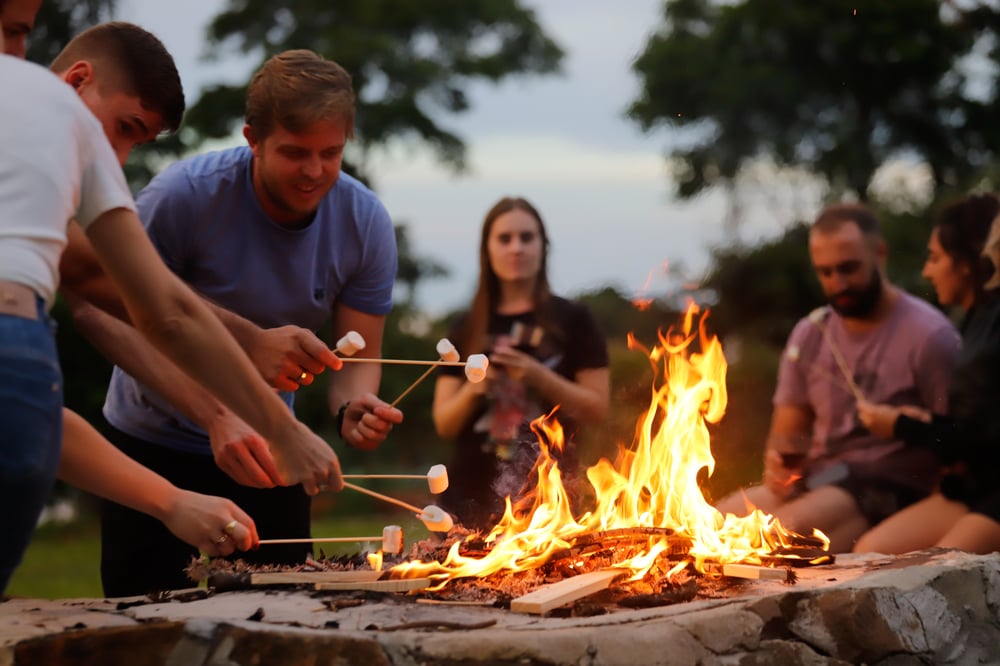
(55, 164)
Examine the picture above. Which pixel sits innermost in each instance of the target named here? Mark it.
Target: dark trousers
(140, 555)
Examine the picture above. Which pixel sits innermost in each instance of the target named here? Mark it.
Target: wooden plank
(393, 585)
(554, 595)
(748, 571)
(292, 577)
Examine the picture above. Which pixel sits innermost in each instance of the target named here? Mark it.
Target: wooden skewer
(383, 476)
(265, 542)
(838, 357)
(385, 498)
(414, 384)
(402, 361)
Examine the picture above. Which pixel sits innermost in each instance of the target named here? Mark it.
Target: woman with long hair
(965, 512)
(545, 352)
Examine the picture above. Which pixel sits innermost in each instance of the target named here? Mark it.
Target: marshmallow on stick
(392, 539)
(437, 478)
(351, 343)
(433, 517)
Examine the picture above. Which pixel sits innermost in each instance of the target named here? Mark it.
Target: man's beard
(858, 303)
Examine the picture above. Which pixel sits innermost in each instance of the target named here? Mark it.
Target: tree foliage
(58, 21)
(836, 87)
(411, 62)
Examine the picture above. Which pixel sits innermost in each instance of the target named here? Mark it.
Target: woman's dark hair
(962, 226)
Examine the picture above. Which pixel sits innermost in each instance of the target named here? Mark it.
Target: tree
(409, 61)
(838, 88)
(58, 21)
(412, 267)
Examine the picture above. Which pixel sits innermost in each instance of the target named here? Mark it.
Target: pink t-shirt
(906, 361)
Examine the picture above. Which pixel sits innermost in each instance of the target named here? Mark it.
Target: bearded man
(822, 468)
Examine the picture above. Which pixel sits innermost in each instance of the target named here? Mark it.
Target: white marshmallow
(475, 368)
(436, 519)
(437, 479)
(351, 343)
(446, 351)
(392, 539)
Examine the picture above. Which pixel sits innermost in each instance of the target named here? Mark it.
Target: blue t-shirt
(205, 220)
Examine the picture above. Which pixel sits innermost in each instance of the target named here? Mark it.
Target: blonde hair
(295, 89)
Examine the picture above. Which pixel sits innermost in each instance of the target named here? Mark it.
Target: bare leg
(830, 509)
(973, 532)
(918, 526)
(741, 502)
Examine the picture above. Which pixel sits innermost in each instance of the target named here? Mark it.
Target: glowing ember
(653, 483)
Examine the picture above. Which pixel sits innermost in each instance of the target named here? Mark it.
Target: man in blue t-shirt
(275, 236)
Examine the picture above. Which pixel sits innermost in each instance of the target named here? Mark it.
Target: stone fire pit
(933, 607)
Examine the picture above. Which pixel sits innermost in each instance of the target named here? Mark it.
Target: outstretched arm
(91, 463)
(368, 419)
(180, 325)
(239, 451)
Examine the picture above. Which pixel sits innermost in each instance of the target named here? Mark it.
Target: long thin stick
(413, 385)
(839, 358)
(383, 476)
(402, 361)
(265, 542)
(386, 498)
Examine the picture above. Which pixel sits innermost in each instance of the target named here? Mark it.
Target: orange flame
(653, 483)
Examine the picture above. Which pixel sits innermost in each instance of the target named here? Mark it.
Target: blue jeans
(31, 396)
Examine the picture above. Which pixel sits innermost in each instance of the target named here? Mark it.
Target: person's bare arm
(281, 354)
(238, 450)
(91, 463)
(456, 400)
(367, 420)
(82, 277)
(180, 325)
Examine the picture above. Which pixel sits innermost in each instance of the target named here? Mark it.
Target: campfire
(650, 516)
(650, 531)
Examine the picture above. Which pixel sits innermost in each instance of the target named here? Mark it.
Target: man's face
(126, 123)
(847, 265)
(294, 171)
(18, 19)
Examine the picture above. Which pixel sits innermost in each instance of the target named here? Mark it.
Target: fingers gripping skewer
(434, 518)
(818, 318)
(392, 539)
(446, 352)
(437, 478)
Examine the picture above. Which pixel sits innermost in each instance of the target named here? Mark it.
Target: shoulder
(351, 194)
(920, 315)
(208, 168)
(569, 309)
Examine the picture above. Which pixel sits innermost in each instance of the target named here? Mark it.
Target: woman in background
(544, 350)
(965, 512)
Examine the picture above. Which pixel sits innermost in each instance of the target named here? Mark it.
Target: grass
(63, 561)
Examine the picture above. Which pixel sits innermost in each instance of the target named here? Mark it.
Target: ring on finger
(303, 376)
(221, 540)
(230, 527)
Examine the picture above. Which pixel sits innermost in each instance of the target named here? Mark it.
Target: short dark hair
(833, 217)
(132, 60)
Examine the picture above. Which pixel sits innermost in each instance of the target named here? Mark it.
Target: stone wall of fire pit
(935, 607)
